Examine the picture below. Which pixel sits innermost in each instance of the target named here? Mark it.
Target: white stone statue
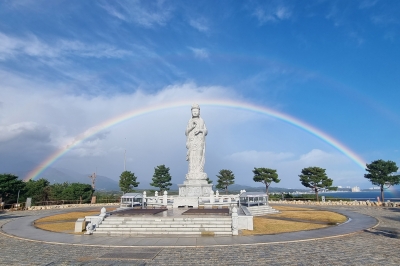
(196, 133)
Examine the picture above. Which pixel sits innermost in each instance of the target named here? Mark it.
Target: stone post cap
(165, 192)
(103, 210)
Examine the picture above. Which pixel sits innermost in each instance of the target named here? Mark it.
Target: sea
(392, 195)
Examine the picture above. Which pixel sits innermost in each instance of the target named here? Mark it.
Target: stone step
(165, 223)
(147, 229)
(147, 233)
(164, 226)
(146, 219)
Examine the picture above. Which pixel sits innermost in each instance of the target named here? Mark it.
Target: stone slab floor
(379, 246)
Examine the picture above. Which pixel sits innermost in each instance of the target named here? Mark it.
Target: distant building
(355, 189)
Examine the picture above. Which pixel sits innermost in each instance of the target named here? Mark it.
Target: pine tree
(127, 181)
(161, 178)
(225, 179)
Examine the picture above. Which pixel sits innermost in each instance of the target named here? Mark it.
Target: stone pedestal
(195, 188)
(186, 202)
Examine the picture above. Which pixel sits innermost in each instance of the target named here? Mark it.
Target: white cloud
(144, 13)
(272, 12)
(200, 53)
(367, 4)
(200, 24)
(31, 45)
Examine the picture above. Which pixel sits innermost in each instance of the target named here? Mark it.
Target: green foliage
(127, 181)
(75, 191)
(161, 178)
(380, 173)
(56, 191)
(265, 176)
(209, 181)
(225, 179)
(38, 190)
(315, 178)
(9, 187)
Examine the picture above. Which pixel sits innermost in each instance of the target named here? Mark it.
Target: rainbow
(220, 103)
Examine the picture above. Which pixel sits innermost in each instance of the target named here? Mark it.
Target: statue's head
(195, 110)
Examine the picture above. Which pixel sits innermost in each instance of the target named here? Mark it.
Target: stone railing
(65, 206)
(340, 202)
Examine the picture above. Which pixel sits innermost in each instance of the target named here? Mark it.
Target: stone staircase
(136, 226)
(258, 210)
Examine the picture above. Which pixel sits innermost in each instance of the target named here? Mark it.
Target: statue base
(195, 188)
(186, 202)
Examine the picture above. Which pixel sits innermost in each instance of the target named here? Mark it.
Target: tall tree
(316, 179)
(127, 181)
(9, 187)
(161, 178)
(265, 176)
(225, 179)
(380, 173)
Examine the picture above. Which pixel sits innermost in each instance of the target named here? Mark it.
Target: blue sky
(66, 66)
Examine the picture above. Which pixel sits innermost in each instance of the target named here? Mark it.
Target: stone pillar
(156, 195)
(165, 200)
(235, 222)
(211, 196)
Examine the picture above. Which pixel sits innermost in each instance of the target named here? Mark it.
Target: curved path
(351, 243)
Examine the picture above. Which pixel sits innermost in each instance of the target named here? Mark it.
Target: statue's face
(195, 112)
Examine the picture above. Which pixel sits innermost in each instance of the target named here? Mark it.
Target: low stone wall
(340, 202)
(66, 206)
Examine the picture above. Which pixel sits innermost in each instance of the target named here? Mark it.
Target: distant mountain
(61, 175)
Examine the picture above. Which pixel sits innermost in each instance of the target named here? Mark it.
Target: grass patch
(61, 227)
(70, 216)
(63, 223)
(292, 219)
(267, 226)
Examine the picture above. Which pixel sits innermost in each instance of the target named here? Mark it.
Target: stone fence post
(144, 200)
(165, 200)
(211, 196)
(235, 222)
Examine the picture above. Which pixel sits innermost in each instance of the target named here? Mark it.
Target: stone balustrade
(336, 203)
(65, 206)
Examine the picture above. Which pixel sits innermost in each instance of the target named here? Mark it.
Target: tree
(38, 190)
(265, 176)
(127, 181)
(316, 179)
(161, 178)
(78, 191)
(380, 173)
(225, 179)
(9, 187)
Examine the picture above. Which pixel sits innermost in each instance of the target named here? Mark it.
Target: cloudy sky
(68, 66)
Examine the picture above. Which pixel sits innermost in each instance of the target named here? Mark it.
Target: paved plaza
(349, 244)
